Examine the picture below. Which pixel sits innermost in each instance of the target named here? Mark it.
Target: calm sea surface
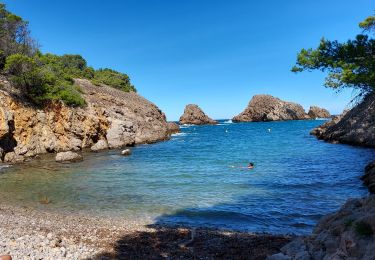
(196, 179)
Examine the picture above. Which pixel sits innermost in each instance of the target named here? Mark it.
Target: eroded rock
(68, 157)
(318, 112)
(269, 108)
(100, 145)
(194, 115)
(173, 128)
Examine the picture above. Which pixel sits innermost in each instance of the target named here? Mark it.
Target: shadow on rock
(184, 243)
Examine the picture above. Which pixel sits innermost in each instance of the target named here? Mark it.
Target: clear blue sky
(214, 53)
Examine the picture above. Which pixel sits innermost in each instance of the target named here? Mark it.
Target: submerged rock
(356, 126)
(194, 115)
(317, 112)
(68, 157)
(116, 117)
(269, 108)
(173, 128)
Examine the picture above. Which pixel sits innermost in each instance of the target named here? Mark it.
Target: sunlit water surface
(196, 179)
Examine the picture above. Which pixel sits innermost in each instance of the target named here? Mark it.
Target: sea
(199, 178)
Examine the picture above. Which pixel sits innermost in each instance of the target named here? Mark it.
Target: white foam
(178, 134)
(228, 121)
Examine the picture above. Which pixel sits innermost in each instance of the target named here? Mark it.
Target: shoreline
(30, 233)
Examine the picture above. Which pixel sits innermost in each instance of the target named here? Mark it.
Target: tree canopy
(349, 65)
(47, 77)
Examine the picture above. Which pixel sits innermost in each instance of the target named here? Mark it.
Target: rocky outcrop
(318, 112)
(356, 126)
(116, 117)
(346, 234)
(100, 145)
(68, 157)
(173, 128)
(369, 177)
(268, 108)
(194, 115)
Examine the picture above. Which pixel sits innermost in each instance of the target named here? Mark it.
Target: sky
(213, 53)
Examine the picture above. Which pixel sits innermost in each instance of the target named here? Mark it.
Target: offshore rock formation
(356, 126)
(318, 112)
(112, 118)
(173, 128)
(268, 108)
(194, 115)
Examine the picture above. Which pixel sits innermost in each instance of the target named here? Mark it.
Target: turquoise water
(196, 179)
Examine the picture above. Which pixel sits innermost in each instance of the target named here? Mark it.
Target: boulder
(68, 157)
(317, 112)
(173, 128)
(193, 115)
(126, 152)
(100, 145)
(269, 108)
(355, 127)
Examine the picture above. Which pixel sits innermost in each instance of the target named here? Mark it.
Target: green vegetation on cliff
(47, 77)
(349, 64)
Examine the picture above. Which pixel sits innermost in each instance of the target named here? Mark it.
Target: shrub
(114, 79)
(363, 229)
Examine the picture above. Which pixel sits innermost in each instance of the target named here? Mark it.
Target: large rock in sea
(318, 112)
(173, 128)
(118, 118)
(194, 115)
(269, 108)
(356, 126)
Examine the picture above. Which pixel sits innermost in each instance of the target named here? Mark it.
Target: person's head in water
(251, 165)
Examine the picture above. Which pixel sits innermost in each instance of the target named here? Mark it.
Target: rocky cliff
(318, 112)
(356, 126)
(194, 115)
(111, 116)
(268, 108)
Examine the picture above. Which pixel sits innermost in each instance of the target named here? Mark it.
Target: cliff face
(115, 117)
(318, 112)
(356, 127)
(194, 115)
(268, 108)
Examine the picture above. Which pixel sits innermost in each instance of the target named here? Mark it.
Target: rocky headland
(263, 108)
(355, 127)
(194, 115)
(111, 119)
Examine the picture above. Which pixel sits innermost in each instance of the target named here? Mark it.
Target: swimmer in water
(250, 166)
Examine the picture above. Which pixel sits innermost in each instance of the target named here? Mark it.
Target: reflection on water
(196, 178)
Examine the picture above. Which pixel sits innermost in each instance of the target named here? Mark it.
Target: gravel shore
(30, 234)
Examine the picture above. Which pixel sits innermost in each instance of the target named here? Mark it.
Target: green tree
(349, 64)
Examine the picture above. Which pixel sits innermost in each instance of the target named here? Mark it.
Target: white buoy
(269, 130)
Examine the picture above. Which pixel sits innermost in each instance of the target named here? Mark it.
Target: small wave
(179, 134)
(4, 167)
(228, 121)
(321, 118)
(185, 126)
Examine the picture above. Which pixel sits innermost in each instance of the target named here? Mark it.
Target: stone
(355, 127)
(318, 112)
(126, 152)
(68, 157)
(369, 177)
(268, 108)
(120, 134)
(100, 145)
(173, 128)
(194, 115)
